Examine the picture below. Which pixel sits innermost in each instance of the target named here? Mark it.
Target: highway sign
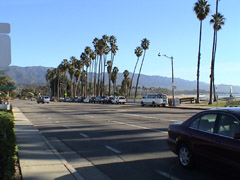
(4, 28)
(5, 51)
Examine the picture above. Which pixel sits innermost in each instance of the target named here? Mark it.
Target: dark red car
(211, 136)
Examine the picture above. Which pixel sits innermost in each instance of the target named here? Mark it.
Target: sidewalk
(38, 159)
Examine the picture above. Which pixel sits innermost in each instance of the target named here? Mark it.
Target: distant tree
(114, 77)
(126, 83)
(218, 22)
(109, 69)
(138, 53)
(145, 45)
(202, 10)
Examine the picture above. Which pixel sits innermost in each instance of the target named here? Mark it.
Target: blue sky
(44, 32)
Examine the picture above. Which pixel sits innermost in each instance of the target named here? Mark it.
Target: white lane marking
(84, 135)
(112, 149)
(67, 127)
(167, 175)
(89, 116)
(173, 120)
(141, 127)
(49, 118)
(57, 121)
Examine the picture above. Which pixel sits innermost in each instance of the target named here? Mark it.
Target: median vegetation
(8, 146)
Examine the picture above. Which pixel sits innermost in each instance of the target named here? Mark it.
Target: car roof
(232, 110)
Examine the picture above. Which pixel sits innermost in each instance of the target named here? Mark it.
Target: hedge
(8, 147)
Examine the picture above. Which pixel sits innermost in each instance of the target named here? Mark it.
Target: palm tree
(138, 52)
(48, 75)
(109, 69)
(71, 71)
(87, 62)
(113, 49)
(59, 73)
(92, 59)
(145, 45)
(95, 44)
(201, 9)
(114, 77)
(218, 22)
(65, 66)
(126, 82)
(106, 51)
(77, 74)
(101, 44)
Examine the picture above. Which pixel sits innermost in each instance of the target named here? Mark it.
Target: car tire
(185, 156)
(142, 104)
(153, 104)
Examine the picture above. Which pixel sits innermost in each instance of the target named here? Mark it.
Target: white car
(119, 100)
(43, 99)
(154, 100)
(86, 100)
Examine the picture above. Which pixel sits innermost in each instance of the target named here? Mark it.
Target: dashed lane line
(167, 175)
(113, 149)
(67, 127)
(141, 127)
(84, 135)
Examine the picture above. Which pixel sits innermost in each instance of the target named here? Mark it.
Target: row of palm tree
(202, 9)
(87, 75)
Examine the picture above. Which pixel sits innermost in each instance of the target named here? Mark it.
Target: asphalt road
(121, 142)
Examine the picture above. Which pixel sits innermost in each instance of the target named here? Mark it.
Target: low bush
(8, 147)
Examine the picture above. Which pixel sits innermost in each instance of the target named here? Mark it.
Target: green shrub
(8, 146)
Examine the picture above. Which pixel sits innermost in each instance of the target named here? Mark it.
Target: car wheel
(185, 156)
(153, 104)
(123, 102)
(142, 104)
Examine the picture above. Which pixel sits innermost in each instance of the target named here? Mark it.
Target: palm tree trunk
(198, 64)
(133, 76)
(109, 83)
(99, 71)
(86, 85)
(212, 69)
(214, 88)
(139, 76)
(95, 76)
(58, 88)
(103, 84)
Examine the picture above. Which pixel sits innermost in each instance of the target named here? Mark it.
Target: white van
(155, 100)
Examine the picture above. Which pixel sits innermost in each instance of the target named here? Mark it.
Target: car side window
(228, 126)
(205, 122)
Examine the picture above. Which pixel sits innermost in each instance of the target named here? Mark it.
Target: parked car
(98, 99)
(211, 136)
(61, 99)
(154, 100)
(107, 100)
(86, 100)
(43, 99)
(119, 100)
(67, 99)
(92, 99)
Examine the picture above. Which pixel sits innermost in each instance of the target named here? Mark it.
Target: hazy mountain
(36, 75)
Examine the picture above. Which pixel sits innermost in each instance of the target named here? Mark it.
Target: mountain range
(37, 75)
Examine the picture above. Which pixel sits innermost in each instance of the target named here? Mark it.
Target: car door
(227, 147)
(202, 136)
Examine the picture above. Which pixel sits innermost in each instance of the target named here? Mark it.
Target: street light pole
(173, 87)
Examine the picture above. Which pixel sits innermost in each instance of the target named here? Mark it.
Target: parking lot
(115, 141)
